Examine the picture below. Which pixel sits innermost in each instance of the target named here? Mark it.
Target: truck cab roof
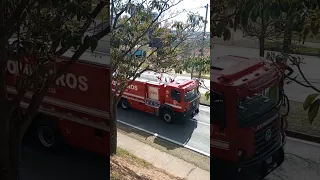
(236, 70)
(159, 78)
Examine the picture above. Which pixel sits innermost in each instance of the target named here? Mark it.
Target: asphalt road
(194, 133)
(310, 68)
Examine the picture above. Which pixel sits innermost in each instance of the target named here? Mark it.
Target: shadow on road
(38, 164)
(180, 131)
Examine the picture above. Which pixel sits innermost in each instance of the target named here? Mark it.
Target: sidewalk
(162, 160)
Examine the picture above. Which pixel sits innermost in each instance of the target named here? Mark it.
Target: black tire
(167, 116)
(124, 104)
(285, 107)
(48, 135)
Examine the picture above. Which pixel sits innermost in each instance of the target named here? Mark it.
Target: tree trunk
(5, 162)
(261, 46)
(113, 126)
(10, 142)
(7, 171)
(192, 70)
(287, 39)
(199, 75)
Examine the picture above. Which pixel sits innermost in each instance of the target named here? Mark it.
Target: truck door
(218, 111)
(176, 98)
(218, 117)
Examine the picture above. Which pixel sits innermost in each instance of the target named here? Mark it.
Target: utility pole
(204, 30)
(111, 13)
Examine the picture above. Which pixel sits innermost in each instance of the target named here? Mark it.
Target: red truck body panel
(79, 99)
(152, 87)
(238, 142)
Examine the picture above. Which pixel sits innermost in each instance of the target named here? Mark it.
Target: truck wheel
(167, 116)
(49, 137)
(124, 104)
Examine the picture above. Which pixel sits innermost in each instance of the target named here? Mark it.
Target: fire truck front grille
(266, 138)
(193, 105)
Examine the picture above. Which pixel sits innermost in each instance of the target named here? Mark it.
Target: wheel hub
(46, 136)
(167, 117)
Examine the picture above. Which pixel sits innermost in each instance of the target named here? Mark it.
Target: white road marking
(167, 139)
(200, 122)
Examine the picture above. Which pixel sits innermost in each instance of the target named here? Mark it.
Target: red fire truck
(76, 109)
(246, 134)
(160, 95)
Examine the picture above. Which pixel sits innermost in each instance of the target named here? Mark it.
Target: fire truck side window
(175, 94)
(218, 109)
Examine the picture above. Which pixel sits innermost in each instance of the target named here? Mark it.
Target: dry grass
(126, 166)
(298, 120)
(203, 100)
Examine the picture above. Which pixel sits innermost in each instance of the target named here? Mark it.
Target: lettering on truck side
(66, 80)
(131, 86)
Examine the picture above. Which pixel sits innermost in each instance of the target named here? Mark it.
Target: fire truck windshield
(258, 103)
(190, 95)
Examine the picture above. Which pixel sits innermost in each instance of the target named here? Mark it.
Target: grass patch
(125, 165)
(205, 76)
(126, 154)
(203, 100)
(178, 151)
(104, 13)
(298, 120)
(299, 48)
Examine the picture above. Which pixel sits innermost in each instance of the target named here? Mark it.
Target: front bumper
(188, 114)
(263, 164)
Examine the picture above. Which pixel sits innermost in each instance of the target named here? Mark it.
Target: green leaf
(237, 21)
(246, 13)
(266, 13)
(207, 95)
(292, 10)
(226, 34)
(273, 92)
(284, 5)
(255, 14)
(313, 110)
(315, 29)
(309, 100)
(305, 33)
(275, 11)
(220, 28)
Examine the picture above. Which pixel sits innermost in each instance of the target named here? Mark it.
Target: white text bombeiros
(66, 80)
(131, 86)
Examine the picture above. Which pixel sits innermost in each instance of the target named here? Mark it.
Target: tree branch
(94, 14)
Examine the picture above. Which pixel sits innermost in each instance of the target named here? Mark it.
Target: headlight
(241, 154)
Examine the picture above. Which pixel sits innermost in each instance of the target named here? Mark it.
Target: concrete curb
(303, 136)
(204, 104)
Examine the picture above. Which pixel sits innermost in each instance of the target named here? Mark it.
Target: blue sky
(194, 6)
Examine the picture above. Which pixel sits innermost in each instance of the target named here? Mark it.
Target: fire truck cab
(160, 95)
(246, 137)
